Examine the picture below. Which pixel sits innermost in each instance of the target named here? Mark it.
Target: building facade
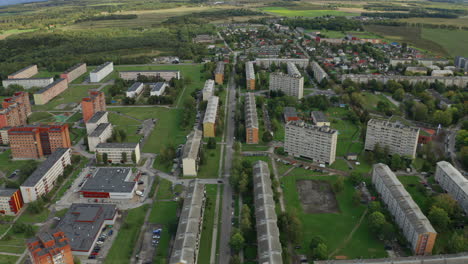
(74, 72)
(15, 110)
(50, 247)
(219, 73)
(400, 139)
(209, 121)
(100, 135)
(98, 118)
(310, 141)
(166, 75)
(43, 179)
(101, 72)
(453, 182)
(459, 81)
(266, 63)
(28, 83)
(461, 62)
(11, 201)
(292, 84)
(114, 152)
(208, 89)
(95, 102)
(319, 72)
(191, 153)
(24, 73)
(157, 89)
(135, 90)
(415, 226)
(44, 95)
(251, 119)
(250, 75)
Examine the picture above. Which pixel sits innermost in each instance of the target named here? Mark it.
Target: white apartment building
(100, 135)
(98, 118)
(400, 139)
(415, 226)
(208, 89)
(42, 180)
(319, 73)
(453, 182)
(157, 89)
(166, 75)
(310, 141)
(266, 63)
(190, 155)
(28, 83)
(292, 84)
(135, 90)
(115, 151)
(101, 72)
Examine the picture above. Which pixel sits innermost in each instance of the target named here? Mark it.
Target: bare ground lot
(317, 197)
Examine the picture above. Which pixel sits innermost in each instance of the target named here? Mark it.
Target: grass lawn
(164, 190)
(339, 225)
(121, 250)
(347, 131)
(75, 117)
(416, 190)
(253, 147)
(340, 164)
(73, 94)
(165, 214)
(14, 243)
(71, 179)
(279, 134)
(6, 259)
(30, 218)
(208, 222)
(40, 117)
(281, 11)
(210, 168)
(371, 100)
(129, 125)
(8, 166)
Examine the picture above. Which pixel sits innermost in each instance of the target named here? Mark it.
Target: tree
(420, 112)
(396, 162)
(439, 218)
(211, 143)
(388, 231)
(267, 137)
(133, 157)
(237, 241)
(316, 240)
(375, 206)
(235, 260)
(124, 157)
(105, 158)
(338, 185)
(443, 117)
(98, 158)
(376, 221)
(457, 243)
(245, 223)
(446, 202)
(320, 252)
(399, 94)
(356, 178)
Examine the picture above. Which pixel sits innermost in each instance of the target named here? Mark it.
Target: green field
(210, 167)
(7, 166)
(73, 94)
(452, 41)
(208, 222)
(165, 214)
(281, 11)
(40, 117)
(348, 133)
(6, 259)
(371, 100)
(339, 225)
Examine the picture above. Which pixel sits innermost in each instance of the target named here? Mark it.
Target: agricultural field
(281, 11)
(452, 41)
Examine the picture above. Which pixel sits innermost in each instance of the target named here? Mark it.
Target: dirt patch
(317, 197)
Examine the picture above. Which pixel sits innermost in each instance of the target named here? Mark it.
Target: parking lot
(150, 243)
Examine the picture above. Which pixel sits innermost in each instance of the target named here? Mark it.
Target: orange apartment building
(250, 75)
(95, 102)
(48, 248)
(11, 201)
(15, 110)
(219, 73)
(36, 142)
(251, 120)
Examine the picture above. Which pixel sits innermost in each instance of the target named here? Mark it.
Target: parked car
(110, 232)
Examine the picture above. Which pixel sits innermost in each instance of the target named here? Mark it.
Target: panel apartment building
(208, 89)
(187, 239)
(98, 118)
(219, 73)
(11, 201)
(38, 141)
(453, 182)
(43, 179)
(135, 90)
(251, 119)
(250, 75)
(28, 83)
(311, 141)
(319, 73)
(292, 84)
(266, 63)
(400, 139)
(415, 226)
(95, 102)
(15, 110)
(191, 153)
(100, 135)
(209, 121)
(166, 75)
(115, 152)
(24, 73)
(74, 72)
(101, 72)
(44, 95)
(50, 247)
(269, 246)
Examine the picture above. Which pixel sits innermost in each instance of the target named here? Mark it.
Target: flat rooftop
(156, 87)
(97, 116)
(100, 129)
(50, 86)
(24, 69)
(102, 66)
(134, 87)
(110, 180)
(117, 145)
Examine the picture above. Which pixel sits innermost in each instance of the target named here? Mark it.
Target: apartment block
(189, 230)
(219, 73)
(266, 63)
(50, 247)
(135, 90)
(115, 152)
(319, 72)
(43, 179)
(100, 135)
(415, 226)
(250, 75)
(453, 182)
(98, 118)
(44, 95)
(461, 62)
(15, 110)
(74, 72)
(251, 119)
(166, 75)
(292, 84)
(432, 61)
(310, 141)
(400, 139)
(209, 121)
(37, 141)
(191, 153)
(101, 72)
(208, 89)
(4, 140)
(269, 246)
(157, 89)
(11, 201)
(95, 102)
(28, 83)
(459, 81)
(24, 73)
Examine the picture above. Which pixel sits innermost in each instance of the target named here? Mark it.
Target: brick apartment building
(251, 120)
(11, 201)
(35, 142)
(96, 101)
(51, 247)
(44, 95)
(15, 110)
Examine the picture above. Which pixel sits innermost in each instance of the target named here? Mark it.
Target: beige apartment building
(208, 89)
(98, 118)
(311, 141)
(415, 226)
(24, 73)
(115, 152)
(250, 75)
(100, 135)
(251, 120)
(400, 139)
(453, 182)
(209, 121)
(319, 73)
(190, 154)
(292, 84)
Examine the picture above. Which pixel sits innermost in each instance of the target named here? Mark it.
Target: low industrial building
(208, 89)
(219, 73)
(166, 75)
(115, 152)
(24, 73)
(43, 179)
(209, 121)
(268, 242)
(290, 114)
(291, 84)
(74, 72)
(319, 73)
(157, 89)
(191, 153)
(251, 120)
(50, 247)
(453, 182)
(413, 223)
(250, 75)
(100, 135)
(28, 83)
(113, 183)
(187, 239)
(11, 201)
(101, 72)
(82, 224)
(135, 90)
(310, 141)
(44, 95)
(319, 118)
(98, 118)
